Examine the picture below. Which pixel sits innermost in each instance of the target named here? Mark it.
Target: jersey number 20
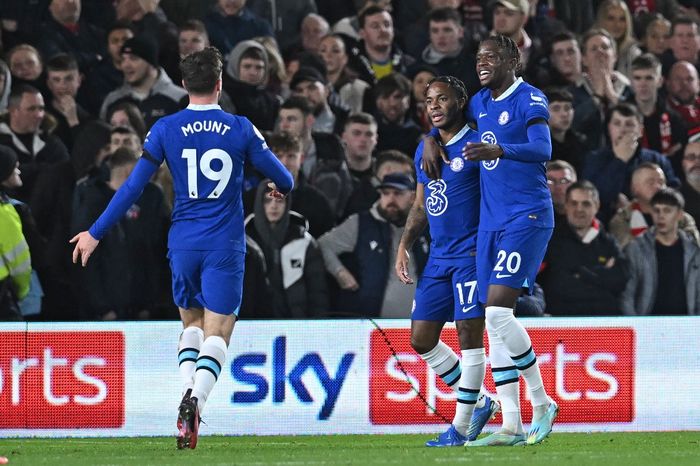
(222, 176)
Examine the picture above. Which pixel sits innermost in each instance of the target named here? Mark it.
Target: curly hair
(508, 47)
(456, 84)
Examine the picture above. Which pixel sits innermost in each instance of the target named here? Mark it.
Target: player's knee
(471, 333)
(497, 318)
(421, 344)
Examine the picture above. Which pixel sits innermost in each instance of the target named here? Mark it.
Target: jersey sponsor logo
(436, 203)
(489, 138)
(536, 98)
(585, 370)
(467, 309)
(482, 114)
(62, 380)
(503, 275)
(457, 164)
(503, 118)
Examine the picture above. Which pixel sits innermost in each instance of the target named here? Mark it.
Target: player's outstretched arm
(415, 224)
(85, 245)
(433, 155)
(125, 197)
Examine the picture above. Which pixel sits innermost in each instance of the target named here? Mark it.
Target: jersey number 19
(222, 176)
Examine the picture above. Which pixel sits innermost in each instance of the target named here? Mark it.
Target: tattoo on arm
(415, 224)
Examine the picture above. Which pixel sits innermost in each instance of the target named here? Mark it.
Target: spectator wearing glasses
(560, 175)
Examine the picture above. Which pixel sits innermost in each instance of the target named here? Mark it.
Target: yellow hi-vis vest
(14, 251)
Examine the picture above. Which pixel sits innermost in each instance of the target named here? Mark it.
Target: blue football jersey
(513, 192)
(452, 201)
(205, 149)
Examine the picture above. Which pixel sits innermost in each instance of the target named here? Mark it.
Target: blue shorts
(447, 291)
(208, 279)
(510, 258)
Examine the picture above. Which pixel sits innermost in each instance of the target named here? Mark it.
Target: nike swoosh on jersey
(503, 275)
(482, 115)
(467, 309)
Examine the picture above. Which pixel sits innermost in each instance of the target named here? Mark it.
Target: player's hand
(433, 157)
(477, 151)
(401, 266)
(273, 193)
(347, 281)
(85, 244)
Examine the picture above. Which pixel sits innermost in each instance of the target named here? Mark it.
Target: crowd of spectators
(336, 88)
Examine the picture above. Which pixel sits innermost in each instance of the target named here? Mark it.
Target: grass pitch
(609, 449)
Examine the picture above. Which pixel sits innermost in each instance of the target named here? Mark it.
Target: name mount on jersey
(210, 126)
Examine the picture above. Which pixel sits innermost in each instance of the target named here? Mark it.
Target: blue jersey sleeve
(538, 147)
(266, 162)
(153, 145)
(124, 198)
(534, 110)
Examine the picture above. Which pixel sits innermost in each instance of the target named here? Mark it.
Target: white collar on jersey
(202, 107)
(459, 135)
(510, 90)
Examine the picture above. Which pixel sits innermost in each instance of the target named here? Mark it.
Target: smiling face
(492, 67)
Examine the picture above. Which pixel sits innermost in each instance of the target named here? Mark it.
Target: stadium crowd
(337, 88)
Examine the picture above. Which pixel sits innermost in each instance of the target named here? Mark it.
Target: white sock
(187, 353)
(211, 359)
(445, 363)
(473, 368)
(505, 375)
(519, 346)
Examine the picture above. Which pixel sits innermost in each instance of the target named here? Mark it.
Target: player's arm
(87, 241)
(271, 167)
(415, 224)
(538, 147)
(265, 161)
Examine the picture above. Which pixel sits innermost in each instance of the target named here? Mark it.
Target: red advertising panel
(62, 379)
(588, 371)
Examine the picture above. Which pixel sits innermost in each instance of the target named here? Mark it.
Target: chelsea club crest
(457, 164)
(503, 118)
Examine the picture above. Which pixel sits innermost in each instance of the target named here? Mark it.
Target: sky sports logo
(62, 380)
(586, 370)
